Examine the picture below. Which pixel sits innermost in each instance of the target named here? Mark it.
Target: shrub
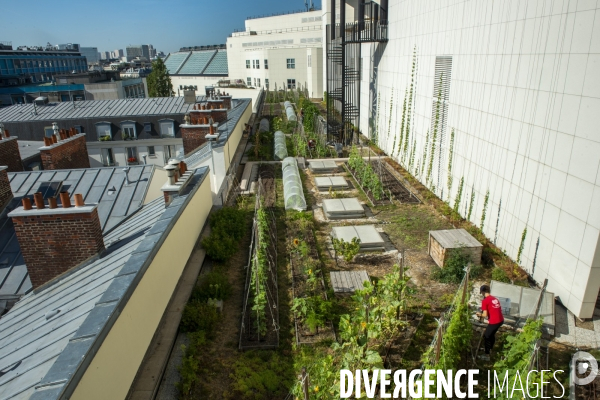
(347, 249)
(261, 375)
(199, 316)
(190, 364)
(227, 228)
(214, 285)
(498, 274)
(454, 268)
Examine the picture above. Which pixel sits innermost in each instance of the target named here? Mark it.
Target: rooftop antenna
(306, 4)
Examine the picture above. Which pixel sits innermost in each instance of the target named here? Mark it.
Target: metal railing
(283, 13)
(272, 31)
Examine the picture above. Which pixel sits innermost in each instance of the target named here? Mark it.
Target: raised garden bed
(260, 316)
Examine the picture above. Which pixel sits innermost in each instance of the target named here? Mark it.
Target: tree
(159, 82)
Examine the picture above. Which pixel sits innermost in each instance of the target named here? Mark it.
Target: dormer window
(128, 130)
(167, 128)
(104, 131)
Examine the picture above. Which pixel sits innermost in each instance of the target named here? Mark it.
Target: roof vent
(10, 368)
(51, 314)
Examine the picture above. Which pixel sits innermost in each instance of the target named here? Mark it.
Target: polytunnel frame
(293, 193)
(280, 147)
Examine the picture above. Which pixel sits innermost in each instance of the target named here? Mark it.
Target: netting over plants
(264, 125)
(292, 185)
(290, 112)
(280, 146)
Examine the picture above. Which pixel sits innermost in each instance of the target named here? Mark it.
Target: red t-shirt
(492, 306)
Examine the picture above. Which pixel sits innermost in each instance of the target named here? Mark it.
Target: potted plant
(105, 138)
(132, 161)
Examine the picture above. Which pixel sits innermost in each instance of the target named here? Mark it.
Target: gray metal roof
(97, 109)
(45, 357)
(203, 63)
(95, 184)
(29, 148)
(455, 238)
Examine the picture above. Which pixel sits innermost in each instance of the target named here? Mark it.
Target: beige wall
(157, 180)
(114, 367)
(236, 135)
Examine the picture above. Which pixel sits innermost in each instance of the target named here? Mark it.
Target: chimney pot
(47, 141)
(54, 139)
(38, 198)
(79, 200)
(65, 200)
(26, 203)
(52, 202)
(6, 133)
(211, 129)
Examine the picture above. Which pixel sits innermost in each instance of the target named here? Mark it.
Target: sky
(114, 24)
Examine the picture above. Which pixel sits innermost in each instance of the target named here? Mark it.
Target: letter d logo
(580, 363)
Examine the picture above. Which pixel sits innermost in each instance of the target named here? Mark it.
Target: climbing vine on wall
(390, 121)
(402, 123)
(376, 133)
(459, 194)
(410, 99)
(484, 211)
(412, 156)
(435, 130)
(498, 221)
(424, 159)
(471, 203)
(521, 246)
(450, 177)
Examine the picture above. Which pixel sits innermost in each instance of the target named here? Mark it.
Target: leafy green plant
(471, 204)
(401, 142)
(459, 195)
(450, 157)
(259, 272)
(453, 270)
(410, 102)
(190, 363)
(199, 316)
(424, 159)
(214, 285)
(348, 250)
(484, 211)
(259, 375)
(313, 311)
(435, 129)
(227, 228)
(498, 274)
(365, 174)
(521, 246)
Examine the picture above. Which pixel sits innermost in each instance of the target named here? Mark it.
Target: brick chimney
(199, 112)
(55, 239)
(226, 97)
(9, 153)
(68, 151)
(178, 178)
(219, 114)
(6, 193)
(194, 135)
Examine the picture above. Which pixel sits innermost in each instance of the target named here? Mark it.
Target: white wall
(120, 153)
(276, 39)
(523, 100)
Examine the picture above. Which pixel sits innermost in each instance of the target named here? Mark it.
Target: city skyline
(212, 26)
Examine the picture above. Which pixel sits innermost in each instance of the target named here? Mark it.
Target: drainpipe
(332, 19)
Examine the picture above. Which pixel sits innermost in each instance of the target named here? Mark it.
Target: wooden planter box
(440, 242)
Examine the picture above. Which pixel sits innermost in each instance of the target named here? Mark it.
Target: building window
(78, 128)
(107, 157)
(249, 81)
(48, 131)
(151, 151)
(104, 131)
(309, 61)
(169, 153)
(257, 64)
(167, 129)
(128, 131)
(131, 155)
(291, 84)
(291, 63)
(247, 64)
(266, 64)
(254, 82)
(267, 82)
(258, 82)
(148, 127)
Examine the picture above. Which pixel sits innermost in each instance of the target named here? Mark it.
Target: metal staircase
(343, 46)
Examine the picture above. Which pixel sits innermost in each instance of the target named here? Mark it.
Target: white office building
(515, 90)
(284, 51)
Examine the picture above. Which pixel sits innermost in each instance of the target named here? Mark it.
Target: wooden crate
(440, 242)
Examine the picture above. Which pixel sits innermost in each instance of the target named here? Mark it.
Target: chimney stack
(9, 153)
(178, 178)
(68, 153)
(55, 239)
(6, 193)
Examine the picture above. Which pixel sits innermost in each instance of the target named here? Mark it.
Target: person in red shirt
(493, 312)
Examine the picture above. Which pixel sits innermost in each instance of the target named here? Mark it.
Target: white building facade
(278, 52)
(515, 89)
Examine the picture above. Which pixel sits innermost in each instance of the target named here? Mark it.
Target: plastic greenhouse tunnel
(280, 146)
(264, 125)
(290, 112)
(293, 194)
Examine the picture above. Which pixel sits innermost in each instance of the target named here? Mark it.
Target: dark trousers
(490, 336)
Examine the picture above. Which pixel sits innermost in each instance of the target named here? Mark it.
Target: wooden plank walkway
(348, 281)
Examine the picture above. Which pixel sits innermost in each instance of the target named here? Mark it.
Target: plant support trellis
(260, 315)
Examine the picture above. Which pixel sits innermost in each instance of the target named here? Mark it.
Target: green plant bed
(227, 227)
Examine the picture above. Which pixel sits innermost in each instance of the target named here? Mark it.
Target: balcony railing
(363, 32)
